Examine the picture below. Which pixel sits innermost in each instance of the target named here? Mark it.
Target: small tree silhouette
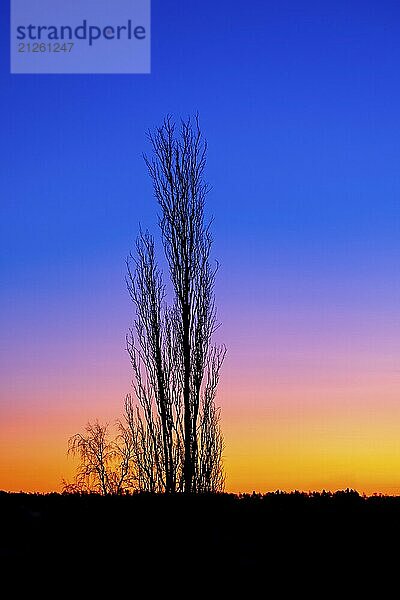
(105, 465)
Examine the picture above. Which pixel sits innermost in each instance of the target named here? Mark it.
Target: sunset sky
(300, 104)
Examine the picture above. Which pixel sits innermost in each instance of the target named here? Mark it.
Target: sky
(299, 102)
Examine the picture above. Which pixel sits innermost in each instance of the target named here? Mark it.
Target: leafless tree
(105, 465)
(170, 438)
(152, 350)
(210, 475)
(176, 370)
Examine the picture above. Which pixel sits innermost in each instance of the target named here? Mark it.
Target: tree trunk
(188, 461)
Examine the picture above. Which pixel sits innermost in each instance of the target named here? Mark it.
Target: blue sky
(299, 102)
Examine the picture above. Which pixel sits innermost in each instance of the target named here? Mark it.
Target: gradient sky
(300, 103)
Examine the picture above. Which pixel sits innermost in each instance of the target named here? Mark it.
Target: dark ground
(304, 535)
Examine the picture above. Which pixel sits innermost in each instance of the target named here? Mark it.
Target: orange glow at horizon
(272, 442)
(308, 402)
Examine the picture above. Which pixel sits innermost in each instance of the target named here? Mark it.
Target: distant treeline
(236, 531)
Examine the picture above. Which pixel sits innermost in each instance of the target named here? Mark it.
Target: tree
(170, 438)
(105, 465)
(176, 370)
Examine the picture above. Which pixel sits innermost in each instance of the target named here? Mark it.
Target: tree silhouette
(105, 465)
(176, 370)
(170, 438)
